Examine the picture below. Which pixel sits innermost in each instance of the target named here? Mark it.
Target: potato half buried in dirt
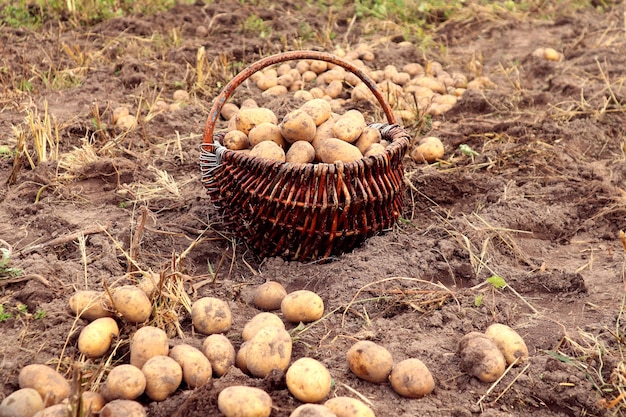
(312, 410)
(242, 401)
(480, 357)
(348, 407)
(50, 384)
(509, 342)
(123, 408)
(411, 378)
(370, 361)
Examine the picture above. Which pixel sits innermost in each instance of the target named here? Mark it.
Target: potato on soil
(90, 305)
(124, 382)
(243, 401)
(308, 380)
(300, 152)
(312, 410)
(348, 407)
(91, 401)
(123, 408)
(211, 315)
(297, 125)
(57, 410)
(333, 149)
(196, 366)
(51, 385)
(148, 341)
(509, 342)
(411, 378)
(247, 118)
(240, 358)
(266, 131)
(163, 377)
(268, 295)
(349, 126)
(24, 402)
(269, 349)
(236, 140)
(480, 357)
(269, 150)
(429, 150)
(318, 109)
(95, 339)
(132, 303)
(259, 322)
(220, 352)
(370, 361)
(302, 306)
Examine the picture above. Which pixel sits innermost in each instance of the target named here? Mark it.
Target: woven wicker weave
(304, 211)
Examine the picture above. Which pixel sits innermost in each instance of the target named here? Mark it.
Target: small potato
(163, 377)
(180, 95)
(196, 366)
(302, 306)
(334, 149)
(24, 402)
(361, 92)
(413, 69)
(509, 342)
(312, 410)
(334, 88)
(297, 125)
(240, 358)
(308, 380)
(303, 95)
(248, 103)
(349, 126)
(90, 305)
(300, 152)
(220, 352)
(411, 378)
(269, 150)
(132, 304)
(91, 401)
(247, 118)
(269, 349)
(51, 385)
(269, 295)
(318, 67)
(260, 321)
(148, 341)
(480, 357)
(275, 91)
(242, 401)
(229, 110)
(149, 283)
(429, 149)
(123, 408)
(236, 140)
(370, 361)
(124, 382)
(95, 338)
(266, 131)
(349, 407)
(375, 149)
(211, 315)
(266, 82)
(126, 122)
(369, 136)
(118, 113)
(318, 109)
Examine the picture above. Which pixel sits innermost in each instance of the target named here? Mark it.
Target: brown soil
(541, 205)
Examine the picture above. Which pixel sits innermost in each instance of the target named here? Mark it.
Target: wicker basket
(304, 211)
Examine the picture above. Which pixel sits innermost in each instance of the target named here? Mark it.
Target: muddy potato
(480, 357)
(318, 109)
(148, 341)
(370, 361)
(268, 295)
(348, 407)
(220, 352)
(266, 131)
(297, 125)
(302, 306)
(509, 342)
(242, 401)
(124, 382)
(361, 92)
(95, 339)
(375, 149)
(236, 140)
(163, 377)
(312, 410)
(269, 150)
(333, 149)
(275, 91)
(334, 89)
(57, 410)
(196, 366)
(269, 349)
(308, 380)
(300, 152)
(90, 305)
(411, 378)
(229, 110)
(368, 137)
(51, 385)
(247, 118)
(260, 321)
(211, 315)
(24, 402)
(429, 149)
(266, 82)
(132, 303)
(349, 126)
(123, 408)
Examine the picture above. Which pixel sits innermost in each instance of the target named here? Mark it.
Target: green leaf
(478, 301)
(497, 281)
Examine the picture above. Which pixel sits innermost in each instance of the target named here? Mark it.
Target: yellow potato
(57, 410)
(242, 401)
(196, 366)
(240, 358)
(297, 125)
(95, 339)
(220, 352)
(269, 150)
(368, 137)
(24, 402)
(123, 408)
(318, 109)
(480, 357)
(349, 126)
(348, 407)
(308, 380)
(370, 361)
(148, 341)
(266, 82)
(51, 385)
(275, 91)
(300, 152)
(334, 89)
(333, 149)
(312, 410)
(124, 382)
(269, 349)
(318, 67)
(429, 149)
(413, 69)
(509, 342)
(90, 305)
(163, 377)
(248, 103)
(269, 295)
(211, 315)
(247, 118)
(91, 401)
(375, 149)
(236, 140)
(260, 321)
(149, 283)
(229, 110)
(302, 306)
(266, 131)
(132, 304)
(361, 92)
(411, 378)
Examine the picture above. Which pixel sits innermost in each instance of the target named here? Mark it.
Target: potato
(51, 385)
(90, 305)
(124, 382)
(147, 342)
(300, 152)
(211, 315)
(247, 118)
(266, 131)
(334, 149)
(118, 113)
(312, 410)
(95, 338)
(21, 403)
(268, 295)
(349, 126)
(509, 342)
(248, 103)
(220, 352)
(57, 410)
(229, 110)
(149, 283)
(132, 304)
(361, 92)
(368, 137)
(240, 358)
(411, 378)
(266, 82)
(370, 361)
(318, 67)
(260, 321)
(126, 122)
(269, 349)
(551, 54)
(163, 377)
(413, 69)
(308, 380)
(91, 401)
(480, 357)
(375, 149)
(429, 149)
(348, 407)
(302, 95)
(318, 109)
(268, 150)
(123, 408)
(275, 91)
(302, 306)
(297, 125)
(242, 401)
(236, 140)
(196, 366)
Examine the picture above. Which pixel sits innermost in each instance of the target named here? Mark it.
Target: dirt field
(540, 203)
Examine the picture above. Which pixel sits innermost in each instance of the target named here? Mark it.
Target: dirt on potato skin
(541, 204)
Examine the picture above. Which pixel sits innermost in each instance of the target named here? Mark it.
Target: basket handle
(228, 90)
